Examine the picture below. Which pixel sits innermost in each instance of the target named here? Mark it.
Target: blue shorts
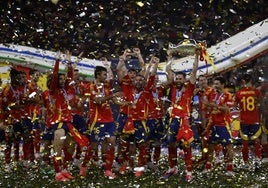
(102, 130)
(79, 123)
(250, 132)
(121, 120)
(141, 131)
(24, 127)
(173, 129)
(37, 125)
(48, 134)
(156, 129)
(220, 134)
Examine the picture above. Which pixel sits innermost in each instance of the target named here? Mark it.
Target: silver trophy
(184, 48)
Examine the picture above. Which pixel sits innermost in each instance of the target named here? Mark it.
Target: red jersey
(219, 117)
(33, 91)
(50, 106)
(100, 112)
(181, 101)
(128, 94)
(247, 99)
(142, 101)
(12, 107)
(75, 93)
(59, 98)
(156, 105)
(207, 94)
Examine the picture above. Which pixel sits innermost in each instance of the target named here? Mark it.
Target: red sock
(67, 157)
(25, 149)
(245, 151)
(57, 164)
(172, 156)
(109, 158)
(208, 165)
(8, 153)
(257, 149)
(188, 158)
(230, 167)
(87, 157)
(17, 150)
(37, 139)
(28, 149)
(218, 149)
(142, 159)
(78, 152)
(157, 152)
(124, 152)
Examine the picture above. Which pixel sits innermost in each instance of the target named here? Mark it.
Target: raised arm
(141, 62)
(155, 62)
(54, 81)
(121, 68)
(169, 73)
(195, 67)
(110, 75)
(139, 56)
(69, 67)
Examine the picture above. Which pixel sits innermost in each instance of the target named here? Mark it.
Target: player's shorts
(172, 131)
(121, 120)
(250, 132)
(48, 134)
(156, 129)
(79, 123)
(141, 131)
(220, 134)
(25, 127)
(102, 130)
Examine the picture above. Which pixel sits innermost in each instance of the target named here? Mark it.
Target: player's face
(22, 79)
(61, 81)
(179, 80)
(139, 82)
(76, 76)
(132, 74)
(217, 85)
(202, 82)
(102, 76)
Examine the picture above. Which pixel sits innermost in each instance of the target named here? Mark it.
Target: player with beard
(179, 129)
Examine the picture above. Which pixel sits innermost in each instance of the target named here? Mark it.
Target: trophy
(181, 55)
(183, 49)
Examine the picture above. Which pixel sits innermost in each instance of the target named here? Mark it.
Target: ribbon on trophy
(204, 56)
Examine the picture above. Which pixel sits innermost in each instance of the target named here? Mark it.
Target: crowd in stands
(105, 28)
